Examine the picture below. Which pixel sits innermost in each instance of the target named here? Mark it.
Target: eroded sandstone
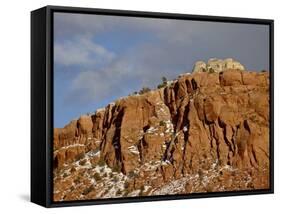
(203, 132)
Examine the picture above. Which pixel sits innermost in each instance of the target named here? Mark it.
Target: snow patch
(151, 130)
(133, 149)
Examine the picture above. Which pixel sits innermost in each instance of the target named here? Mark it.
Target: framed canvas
(131, 106)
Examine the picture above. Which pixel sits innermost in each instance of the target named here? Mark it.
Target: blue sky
(100, 58)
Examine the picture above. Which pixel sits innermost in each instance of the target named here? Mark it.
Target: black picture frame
(42, 103)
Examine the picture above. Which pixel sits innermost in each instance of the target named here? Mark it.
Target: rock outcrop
(203, 132)
(217, 65)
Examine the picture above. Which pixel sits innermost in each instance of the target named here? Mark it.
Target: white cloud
(176, 45)
(147, 66)
(90, 84)
(66, 25)
(82, 51)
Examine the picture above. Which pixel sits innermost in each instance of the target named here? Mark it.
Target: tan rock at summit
(215, 65)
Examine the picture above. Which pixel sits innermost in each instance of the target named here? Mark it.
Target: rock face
(204, 132)
(217, 65)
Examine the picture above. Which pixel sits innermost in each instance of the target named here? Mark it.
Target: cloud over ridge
(111, 56)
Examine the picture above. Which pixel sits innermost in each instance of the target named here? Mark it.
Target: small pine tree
(97, 176)
(163, 84)
(119, 192)
(144, 90)
(160, 86)
(211, 70)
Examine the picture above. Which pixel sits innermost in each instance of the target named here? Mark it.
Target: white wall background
(15, 105)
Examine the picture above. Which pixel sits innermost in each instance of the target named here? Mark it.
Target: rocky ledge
(217, 65)
(204, 132)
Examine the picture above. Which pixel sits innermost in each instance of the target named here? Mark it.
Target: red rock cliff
(200, 121)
